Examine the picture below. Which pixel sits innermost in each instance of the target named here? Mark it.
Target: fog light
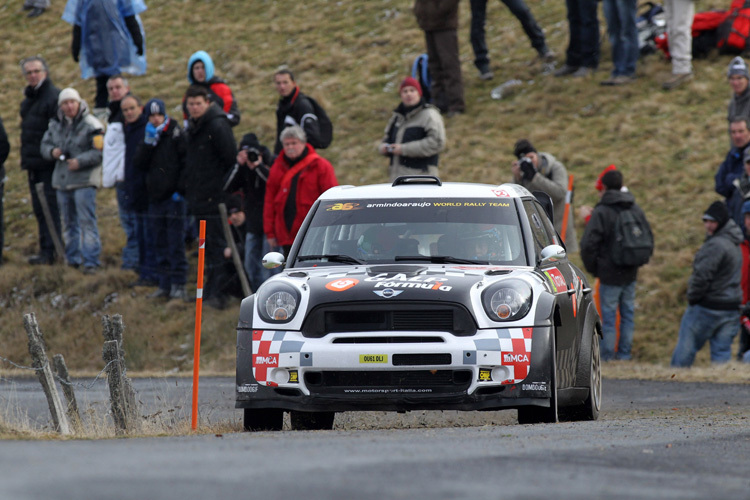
(500, 374)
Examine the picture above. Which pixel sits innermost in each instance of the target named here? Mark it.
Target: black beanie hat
(523, 147)
(249, 141)
(234, 204)
(717, 212)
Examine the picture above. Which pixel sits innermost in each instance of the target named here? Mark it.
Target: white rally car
(420, 295)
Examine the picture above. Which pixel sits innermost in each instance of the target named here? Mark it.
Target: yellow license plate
(373, 358)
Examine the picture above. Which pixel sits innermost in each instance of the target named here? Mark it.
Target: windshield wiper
(347, 259)
(440, 259)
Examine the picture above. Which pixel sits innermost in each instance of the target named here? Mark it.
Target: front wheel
(312, 421)
(589, 409)
(263, 419)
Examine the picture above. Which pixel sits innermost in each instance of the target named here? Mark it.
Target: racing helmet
(377, 242)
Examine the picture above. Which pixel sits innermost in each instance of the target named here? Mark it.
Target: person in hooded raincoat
(108, 39)
(200, 71)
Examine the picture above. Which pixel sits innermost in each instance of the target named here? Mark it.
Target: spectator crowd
(170, 172)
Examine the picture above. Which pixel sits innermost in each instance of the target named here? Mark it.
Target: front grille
(396, 381)
(391, 316)
(421, 359)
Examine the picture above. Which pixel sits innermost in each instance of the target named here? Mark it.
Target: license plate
(373, 358)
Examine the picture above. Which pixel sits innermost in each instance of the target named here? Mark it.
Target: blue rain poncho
(106, 45)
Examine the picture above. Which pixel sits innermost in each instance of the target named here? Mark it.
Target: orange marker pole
(198, 315)
(568, 201)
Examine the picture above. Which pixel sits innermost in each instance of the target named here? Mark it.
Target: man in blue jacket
(733, 167)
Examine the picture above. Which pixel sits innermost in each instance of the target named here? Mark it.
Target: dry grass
(351, 56)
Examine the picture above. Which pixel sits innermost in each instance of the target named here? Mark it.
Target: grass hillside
(351, 56)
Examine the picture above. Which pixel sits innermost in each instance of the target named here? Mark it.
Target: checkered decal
(267, 347)
(514, 346)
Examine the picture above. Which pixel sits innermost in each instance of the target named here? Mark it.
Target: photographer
(543, 172)
(249, 176)
(415, 134)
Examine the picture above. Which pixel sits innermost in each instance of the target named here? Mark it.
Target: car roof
(429, 188)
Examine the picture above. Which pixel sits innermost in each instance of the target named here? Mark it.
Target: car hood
(399, 282)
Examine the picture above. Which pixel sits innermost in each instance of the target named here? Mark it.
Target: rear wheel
(263, 419)
(312, 421)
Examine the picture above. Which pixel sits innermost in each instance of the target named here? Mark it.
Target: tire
(312, 421)
(589, 409)
(264, 419)
(542, 414)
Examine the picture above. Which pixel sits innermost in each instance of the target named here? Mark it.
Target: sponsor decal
(402, 281)
(266, 346)
(399, 204)
(247, 388)
(485, 375)
(534, 386)
(341, 285)
(387, 293)
(293, 377)
(574, 299)
(516, 349)
(556, 279)
(515, 358)
(501, 193)
(271, 361)
(373, 358)
(343, 206)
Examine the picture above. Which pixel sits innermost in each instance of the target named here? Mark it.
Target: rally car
(420, 295)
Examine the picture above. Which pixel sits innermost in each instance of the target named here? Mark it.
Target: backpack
(734, 32)
(324, 124)
(633, 242)
(421, 73)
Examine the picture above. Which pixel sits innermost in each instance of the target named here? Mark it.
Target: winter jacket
(163, 162)
(421, 133)
(211, 153)
(4, 151)
(552, 178)
(296, 109)
(37, 109)
(113, 155)
(717, 271)
(287, 201)
(739, 105)
(436, 15)
(218, 91)
(730, 170)
(81, 139)
(252, 183)
(134, 185)
(598, 238)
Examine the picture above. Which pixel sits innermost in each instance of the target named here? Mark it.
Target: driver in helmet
(378, 242)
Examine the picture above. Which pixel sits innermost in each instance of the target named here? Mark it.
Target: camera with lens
(527, 168)
(252, 154)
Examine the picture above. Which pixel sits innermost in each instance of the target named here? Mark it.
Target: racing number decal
(556, 279)
(342, 284)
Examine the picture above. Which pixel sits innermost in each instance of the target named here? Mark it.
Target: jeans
(583, 26)
(167, 220)
(256, 246)
(80, 234)
(147, 266)
(521, 11)
(612, 298)
(700, 324)
(623, 35)
(46, 243)
(128, 221)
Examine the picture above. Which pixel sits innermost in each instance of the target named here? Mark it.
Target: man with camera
(249, 176)
(543, 172)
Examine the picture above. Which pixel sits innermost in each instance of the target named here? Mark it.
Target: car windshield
(439, 230)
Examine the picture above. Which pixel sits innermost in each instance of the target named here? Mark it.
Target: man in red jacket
(298, 176)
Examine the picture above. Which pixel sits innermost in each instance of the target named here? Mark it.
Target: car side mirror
(552, 253)
(272, 260)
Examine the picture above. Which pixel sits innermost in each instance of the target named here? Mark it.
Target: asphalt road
(654, 440)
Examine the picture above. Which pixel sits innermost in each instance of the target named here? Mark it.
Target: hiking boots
(485, 73)
(179, 292)
(676, 80)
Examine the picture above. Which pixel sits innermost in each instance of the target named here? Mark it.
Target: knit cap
(717, 212)
(410, 82)
(155, 107)
(68, 94)
(738, 67)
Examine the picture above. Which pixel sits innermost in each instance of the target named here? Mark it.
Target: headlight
(507, 301)
(278, 303)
